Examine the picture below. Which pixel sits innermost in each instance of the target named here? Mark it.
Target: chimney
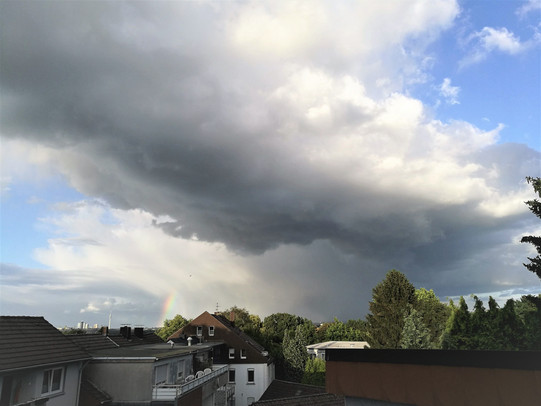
(125, 331)
(138, 332)
(232, 318)
(189, 341)
(105, 331)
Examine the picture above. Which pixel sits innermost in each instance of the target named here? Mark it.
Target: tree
(338, 331)
(314, 372)
(415, 335)
(458, 330)
(171, 326)
(391, 301)
(248, 323)
(535, 207)
(295, 353)
(434, 313)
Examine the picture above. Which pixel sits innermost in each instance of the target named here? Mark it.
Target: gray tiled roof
(322, 399)
(279, 389)
(27, 342)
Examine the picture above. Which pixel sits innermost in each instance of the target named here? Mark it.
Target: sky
(163, 158)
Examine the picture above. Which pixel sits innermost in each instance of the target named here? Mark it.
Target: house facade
(156, 374)
(250, 369)
(38, 364)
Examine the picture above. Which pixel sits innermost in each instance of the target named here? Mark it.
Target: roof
(279, 389)
(94, 342)
(522, 360)
(247, 339)
(152, 351)
(27, 342)
(339, 344)
(322, 399)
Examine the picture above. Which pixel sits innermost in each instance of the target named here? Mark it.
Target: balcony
(165, 392)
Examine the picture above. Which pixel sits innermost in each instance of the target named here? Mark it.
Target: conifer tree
(295, 353)
(535, 207)
(415, 335)
(391, 302)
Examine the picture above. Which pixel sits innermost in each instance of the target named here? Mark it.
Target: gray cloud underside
(170, 122)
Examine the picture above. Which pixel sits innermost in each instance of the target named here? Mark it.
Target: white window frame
(229, 375)
(49, 375)
(243, 353)
(199, 331)
(211, 331)
(231, 353)
(252, 382)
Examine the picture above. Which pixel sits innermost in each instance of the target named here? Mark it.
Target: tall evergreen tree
(535, 207)
(433, 312)
(391, 301)
(415, 335)
(295, 353)
(457, 335)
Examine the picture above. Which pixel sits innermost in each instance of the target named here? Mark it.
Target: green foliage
(248, 323)
(434, 314)
(339, 331)
(535, 207)
(391, 301)
(458, 330)
(275, 325)
(295, 353)
(171, 326)
(415, 335)
(516, 326)
(314, 372)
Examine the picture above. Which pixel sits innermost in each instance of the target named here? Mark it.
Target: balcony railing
(171, 392)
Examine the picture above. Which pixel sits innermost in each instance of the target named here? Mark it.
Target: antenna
(217, 308)
(110, 316)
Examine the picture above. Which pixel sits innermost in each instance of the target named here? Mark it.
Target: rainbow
(168, 310)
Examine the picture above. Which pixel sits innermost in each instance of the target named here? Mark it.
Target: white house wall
(263, 376)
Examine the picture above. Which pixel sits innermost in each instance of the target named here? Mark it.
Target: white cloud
(528, 7)
(449, 93)
(491, 39)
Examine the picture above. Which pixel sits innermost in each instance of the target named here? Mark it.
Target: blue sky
(264, 154)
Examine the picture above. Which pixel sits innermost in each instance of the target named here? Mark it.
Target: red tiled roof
(27, 342)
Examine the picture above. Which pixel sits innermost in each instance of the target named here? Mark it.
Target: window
(243, 353)
(180, 370)
(250, 400)
(231, 353)
(199, 331)
(52, 380)
(231, 375)
(160, 374)
(251, 375)
(211, 330)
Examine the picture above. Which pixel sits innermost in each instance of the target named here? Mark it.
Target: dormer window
(211, 331)
(199, 331)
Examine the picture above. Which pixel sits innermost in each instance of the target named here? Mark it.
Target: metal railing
(171, 392)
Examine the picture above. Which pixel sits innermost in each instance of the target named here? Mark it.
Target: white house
(251, 370)
(38, 364)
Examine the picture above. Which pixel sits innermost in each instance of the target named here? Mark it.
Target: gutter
(45, 365)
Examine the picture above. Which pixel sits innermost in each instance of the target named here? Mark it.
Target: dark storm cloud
(156, 109)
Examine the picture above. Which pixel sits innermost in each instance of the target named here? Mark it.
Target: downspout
(83, 364)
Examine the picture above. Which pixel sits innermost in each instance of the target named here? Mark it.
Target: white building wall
(244, 391)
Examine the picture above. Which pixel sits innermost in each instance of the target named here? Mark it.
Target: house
(434, 377)
(250, 369)
(126, 369)
(318, 350)
(38, 364)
